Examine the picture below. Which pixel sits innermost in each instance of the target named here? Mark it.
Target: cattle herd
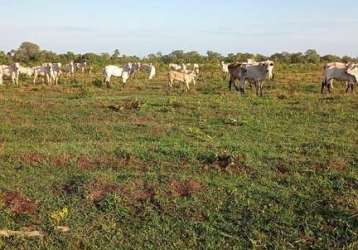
(252, 72)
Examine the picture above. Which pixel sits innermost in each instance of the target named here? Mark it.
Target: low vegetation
(144, 167)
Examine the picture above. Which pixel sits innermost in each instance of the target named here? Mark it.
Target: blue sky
(147, 26)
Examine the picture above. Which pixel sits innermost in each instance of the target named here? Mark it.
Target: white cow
(255, 73)
(82, 67)
(340, 72)
(112, 70)
(29, 72)
(173, 66)
(182, 77)
(69, 69)
(225, 67)
(151, 69)
(45, 71)
(57, 72)
(11, 71)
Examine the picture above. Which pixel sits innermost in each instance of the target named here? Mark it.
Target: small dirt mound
(332, 165)
(225, 162)
(282, 169)
(184, 188)
(19, 204)
(99, 190)
(138, 191)
(74, 186)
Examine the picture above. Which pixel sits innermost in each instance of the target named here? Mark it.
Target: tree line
(31, 54)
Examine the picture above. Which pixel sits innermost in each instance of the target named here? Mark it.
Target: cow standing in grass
(182, 77)
(115, 71)
(69, 69)
(151, 69)
(341, 72)
(45, 71)
(255, 73)
(11, 71)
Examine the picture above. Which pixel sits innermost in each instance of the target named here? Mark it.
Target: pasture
(144, 167)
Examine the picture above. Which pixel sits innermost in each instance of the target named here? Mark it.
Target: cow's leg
(261, 84)
(324, 83)
(230, 83)
(329, 86)
(187, 88)
(108, 81)
(235, 84)
(1, 81)
(257, 87)
(242, 86)
(350, 86)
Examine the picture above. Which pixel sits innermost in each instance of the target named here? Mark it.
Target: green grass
(150, 159)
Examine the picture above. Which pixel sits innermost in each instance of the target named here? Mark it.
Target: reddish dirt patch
(18, 204)
(99, 190)
(61, 160)
(337, 165)
(184, 188)
(33, 159)
(106, 161)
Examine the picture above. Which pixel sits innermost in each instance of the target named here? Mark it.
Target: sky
(141, 27)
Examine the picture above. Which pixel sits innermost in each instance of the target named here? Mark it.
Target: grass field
(141, 167)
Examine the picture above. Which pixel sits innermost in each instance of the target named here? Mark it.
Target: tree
(214, 56)
(3, 58)
(28, 52)
(312, 56)
(116, 54)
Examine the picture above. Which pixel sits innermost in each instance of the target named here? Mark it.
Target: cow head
(352, 69)
(269, 66)
(17, 66)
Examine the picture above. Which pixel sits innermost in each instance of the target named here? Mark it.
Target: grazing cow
(254, 73)
(46, 71)
(182, 77)
(12, 71)
(340, 72)
(112, 70)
